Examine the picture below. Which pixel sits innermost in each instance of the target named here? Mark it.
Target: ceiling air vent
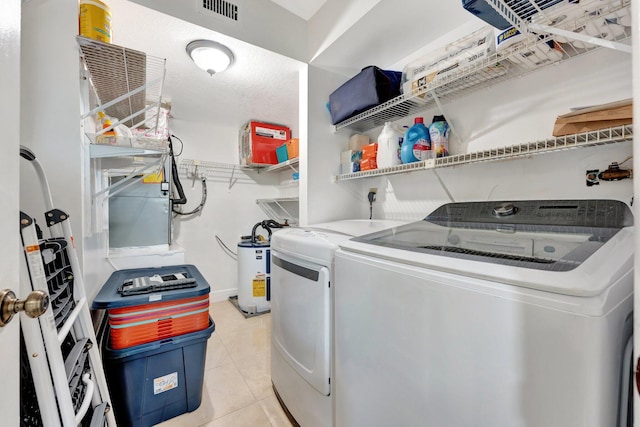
(221, 8)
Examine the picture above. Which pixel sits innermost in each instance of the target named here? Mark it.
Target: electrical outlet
(372, 195)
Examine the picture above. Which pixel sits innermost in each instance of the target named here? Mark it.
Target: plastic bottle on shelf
(118, 134)
(389, 143)
(108, 136)
(416, 145)
(439, 134)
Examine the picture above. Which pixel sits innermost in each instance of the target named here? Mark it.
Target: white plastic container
(389, 142)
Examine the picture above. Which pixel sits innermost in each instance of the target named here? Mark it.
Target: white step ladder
(65, 363)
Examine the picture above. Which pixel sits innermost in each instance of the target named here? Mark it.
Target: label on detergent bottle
(422, 149)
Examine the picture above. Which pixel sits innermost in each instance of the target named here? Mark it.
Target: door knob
(34, 305)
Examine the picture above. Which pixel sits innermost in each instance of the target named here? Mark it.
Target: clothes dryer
(302, 282)
(501, 314)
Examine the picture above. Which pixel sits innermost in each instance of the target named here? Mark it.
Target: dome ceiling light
(210, 56)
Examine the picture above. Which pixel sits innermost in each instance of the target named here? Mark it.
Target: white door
(9, 194)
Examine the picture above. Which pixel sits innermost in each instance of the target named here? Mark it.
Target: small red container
(258, 143)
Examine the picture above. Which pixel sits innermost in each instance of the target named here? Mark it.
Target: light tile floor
(237, 384)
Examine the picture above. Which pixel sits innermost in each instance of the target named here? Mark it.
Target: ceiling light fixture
(211, 56)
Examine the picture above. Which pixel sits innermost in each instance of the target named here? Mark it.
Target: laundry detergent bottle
(389, 143)
(439, 133)
(416, 145)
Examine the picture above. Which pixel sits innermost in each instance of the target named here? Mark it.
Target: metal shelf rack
(127, 85)
(195, 169)
(569, 39)
(587, 139)
(281, 210)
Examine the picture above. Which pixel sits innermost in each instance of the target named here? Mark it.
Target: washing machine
(497, 314)
(302, 283)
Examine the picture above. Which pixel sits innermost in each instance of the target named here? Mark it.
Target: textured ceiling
(259, 85)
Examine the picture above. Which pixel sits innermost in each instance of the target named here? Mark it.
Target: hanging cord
(176, 179)
(198, 208)
(181, 145)
(226, 248)
(372, 198)
(625, 160)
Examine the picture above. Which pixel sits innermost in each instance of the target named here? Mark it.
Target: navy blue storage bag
(370, 87)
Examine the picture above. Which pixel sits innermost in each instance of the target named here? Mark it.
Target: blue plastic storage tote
(154, 382)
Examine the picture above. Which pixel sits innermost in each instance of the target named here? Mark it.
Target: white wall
(515, 112)
(324, 200)
(50, 116)
(228, 213)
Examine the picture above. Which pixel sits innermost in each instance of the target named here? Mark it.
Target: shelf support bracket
(130, 179)
(583, 38)
(231, 180)
(437, 101)
(127, 95)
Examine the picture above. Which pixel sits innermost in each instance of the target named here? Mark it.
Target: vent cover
(221, 8)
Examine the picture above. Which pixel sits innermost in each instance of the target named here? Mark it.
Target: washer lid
(318, 243)
(540, 235)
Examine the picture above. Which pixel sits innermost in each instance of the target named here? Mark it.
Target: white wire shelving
(282, 210)
(553, 36)
(214, 171)
(232, 173)
(587, 139)
(127, 86)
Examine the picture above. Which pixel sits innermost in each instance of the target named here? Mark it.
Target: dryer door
(301, 316)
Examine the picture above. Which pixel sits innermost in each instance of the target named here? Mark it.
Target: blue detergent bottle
(416, 145)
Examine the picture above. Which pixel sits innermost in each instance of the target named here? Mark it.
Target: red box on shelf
(258, 142)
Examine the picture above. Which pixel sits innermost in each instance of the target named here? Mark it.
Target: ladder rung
(71, 362)
(62, 333)
(61, 308)
(86, 379)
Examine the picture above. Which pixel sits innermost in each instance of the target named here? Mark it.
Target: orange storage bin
(140, 324)
(293, 148)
